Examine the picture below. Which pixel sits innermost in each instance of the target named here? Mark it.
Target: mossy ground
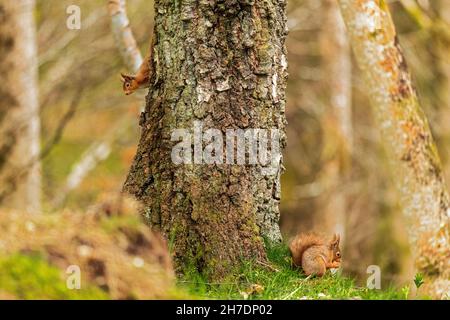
(117, 255)
(31, 277)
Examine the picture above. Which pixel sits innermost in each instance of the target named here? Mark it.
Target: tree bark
(407, 136)
(20, 180)
(221, 64)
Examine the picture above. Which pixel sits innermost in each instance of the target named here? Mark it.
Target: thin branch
(56, 138)
(68, 37)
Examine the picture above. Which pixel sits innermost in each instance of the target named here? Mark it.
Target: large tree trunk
(222, 65)
(19, 118)
(407, 136)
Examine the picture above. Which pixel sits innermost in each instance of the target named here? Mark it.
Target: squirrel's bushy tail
(300, 244)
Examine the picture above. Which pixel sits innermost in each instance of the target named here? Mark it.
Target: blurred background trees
(406, 134)
(335, 165)
(373, 222)
(20, 174)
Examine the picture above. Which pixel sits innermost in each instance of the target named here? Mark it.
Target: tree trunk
(443, 50)
(19, 118)
(407, 137)
(336, 57)
(220, 66)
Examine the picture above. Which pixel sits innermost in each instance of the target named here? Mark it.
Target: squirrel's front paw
(336, 264)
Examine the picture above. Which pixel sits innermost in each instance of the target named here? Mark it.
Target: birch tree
(407, 137)
(20, 180)
(123, 36)
(221, 65)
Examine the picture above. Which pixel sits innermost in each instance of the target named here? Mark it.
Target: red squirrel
(314, 254)
(142, 78)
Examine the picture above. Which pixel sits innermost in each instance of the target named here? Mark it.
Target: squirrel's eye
(338, 254)
(127, 85)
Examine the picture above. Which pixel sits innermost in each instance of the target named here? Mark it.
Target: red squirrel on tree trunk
(142, 78)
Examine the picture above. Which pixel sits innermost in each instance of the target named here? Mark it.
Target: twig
(268, 266)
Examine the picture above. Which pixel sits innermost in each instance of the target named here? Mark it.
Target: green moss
(31, 277)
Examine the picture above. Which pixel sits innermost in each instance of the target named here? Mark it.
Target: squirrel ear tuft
(125, 77)
(335, 240)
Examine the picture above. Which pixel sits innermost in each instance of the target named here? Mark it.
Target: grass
(256, 281)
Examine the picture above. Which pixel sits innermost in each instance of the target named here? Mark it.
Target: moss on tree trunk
(222, 63)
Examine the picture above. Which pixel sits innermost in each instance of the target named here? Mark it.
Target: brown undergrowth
(114, 249)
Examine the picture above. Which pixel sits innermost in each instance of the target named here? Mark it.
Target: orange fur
(314, 254)
(142, 77)
(299, 245)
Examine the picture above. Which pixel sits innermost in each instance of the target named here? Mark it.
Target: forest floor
(31, 277)
(116, 262)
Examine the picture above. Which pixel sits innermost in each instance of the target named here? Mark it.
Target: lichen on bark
(222, 63)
